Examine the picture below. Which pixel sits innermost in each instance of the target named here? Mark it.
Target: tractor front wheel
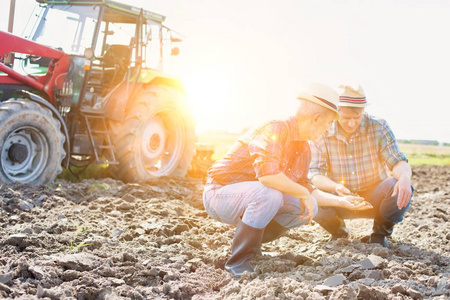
(156, 138)
(31, 143)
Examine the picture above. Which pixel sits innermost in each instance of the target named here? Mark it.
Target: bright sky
(244, 62)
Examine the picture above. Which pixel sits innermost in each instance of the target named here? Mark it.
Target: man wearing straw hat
(354, 158)
(261, 183)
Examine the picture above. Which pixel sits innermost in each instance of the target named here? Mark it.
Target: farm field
(103, 239)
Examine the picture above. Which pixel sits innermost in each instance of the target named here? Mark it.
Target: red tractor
(86, 86)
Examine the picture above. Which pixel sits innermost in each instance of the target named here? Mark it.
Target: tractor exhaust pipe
(12, 8)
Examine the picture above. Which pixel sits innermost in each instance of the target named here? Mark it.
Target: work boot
(336, 227)
(382, 228)
(246, 245)
(273, 231)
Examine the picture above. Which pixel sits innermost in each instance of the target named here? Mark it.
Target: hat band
(358, 100)
(327, 102)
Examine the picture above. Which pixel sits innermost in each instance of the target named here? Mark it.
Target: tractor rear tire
(156, 137)
(31, 143)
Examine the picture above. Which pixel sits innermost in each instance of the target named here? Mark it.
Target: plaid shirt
(361, 162)
(267, 150)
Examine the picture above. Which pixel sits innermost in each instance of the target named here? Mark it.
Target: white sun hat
(322, 95)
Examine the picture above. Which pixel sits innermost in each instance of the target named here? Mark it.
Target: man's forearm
(285, 185)
(400, 169)
(326, 199)
(324, 183)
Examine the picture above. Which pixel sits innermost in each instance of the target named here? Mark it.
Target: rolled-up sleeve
(389, 149)
(319, 163)
(266, 148)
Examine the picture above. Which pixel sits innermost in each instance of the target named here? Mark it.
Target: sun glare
(207, 96)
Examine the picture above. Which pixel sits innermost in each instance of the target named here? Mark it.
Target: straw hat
(322, 95)
(351, 97)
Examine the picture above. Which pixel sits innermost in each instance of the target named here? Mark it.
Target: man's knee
(389, 184)
(271, 198)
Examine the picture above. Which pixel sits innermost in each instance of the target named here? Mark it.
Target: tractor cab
(115, 37)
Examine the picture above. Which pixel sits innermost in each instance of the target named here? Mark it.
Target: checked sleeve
(319, 161)
(389, 149)
(266, 148)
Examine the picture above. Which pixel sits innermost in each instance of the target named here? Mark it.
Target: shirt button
(296, 152)
(289, 169)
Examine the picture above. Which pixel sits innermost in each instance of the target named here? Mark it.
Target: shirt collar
(364, 123)
(294, 128)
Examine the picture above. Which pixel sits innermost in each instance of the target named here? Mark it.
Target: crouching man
(261, 184)
(353, 158)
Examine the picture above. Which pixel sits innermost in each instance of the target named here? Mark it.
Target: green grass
(96, 186)
(94, 171)
(429, 161)
(427, 155)
(73, 245)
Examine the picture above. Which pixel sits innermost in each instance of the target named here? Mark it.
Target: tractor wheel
(31, 143)
(156, 137)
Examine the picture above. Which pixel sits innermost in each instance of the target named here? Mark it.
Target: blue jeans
(254, 202)
(384, 205)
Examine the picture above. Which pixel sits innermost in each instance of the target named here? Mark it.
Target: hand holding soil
(355, 202)
(341, 190)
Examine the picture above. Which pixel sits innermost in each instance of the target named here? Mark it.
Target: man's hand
(354, 203)
(308, 204)
(341, 190)
(403, 189)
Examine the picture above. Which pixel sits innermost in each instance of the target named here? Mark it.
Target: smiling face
(351, 118)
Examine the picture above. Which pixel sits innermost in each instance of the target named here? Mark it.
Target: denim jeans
(384, 205)
(254, 202)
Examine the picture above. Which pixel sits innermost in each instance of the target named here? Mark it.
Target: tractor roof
(113, 7)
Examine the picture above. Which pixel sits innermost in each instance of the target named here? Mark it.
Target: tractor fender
(150, 76)
(121, 98)
(45, 103)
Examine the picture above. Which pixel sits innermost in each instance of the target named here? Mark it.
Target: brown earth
(103, 239)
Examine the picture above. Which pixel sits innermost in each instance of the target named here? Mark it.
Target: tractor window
(66, 27)
(116, 34)
(154, 47)
(159, 46)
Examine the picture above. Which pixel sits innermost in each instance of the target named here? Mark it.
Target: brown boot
(381, 230)
(246, 245)
(273, 231)
(329, 219)
(336, 227)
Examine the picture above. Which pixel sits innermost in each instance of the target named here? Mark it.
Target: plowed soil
(103, 239)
